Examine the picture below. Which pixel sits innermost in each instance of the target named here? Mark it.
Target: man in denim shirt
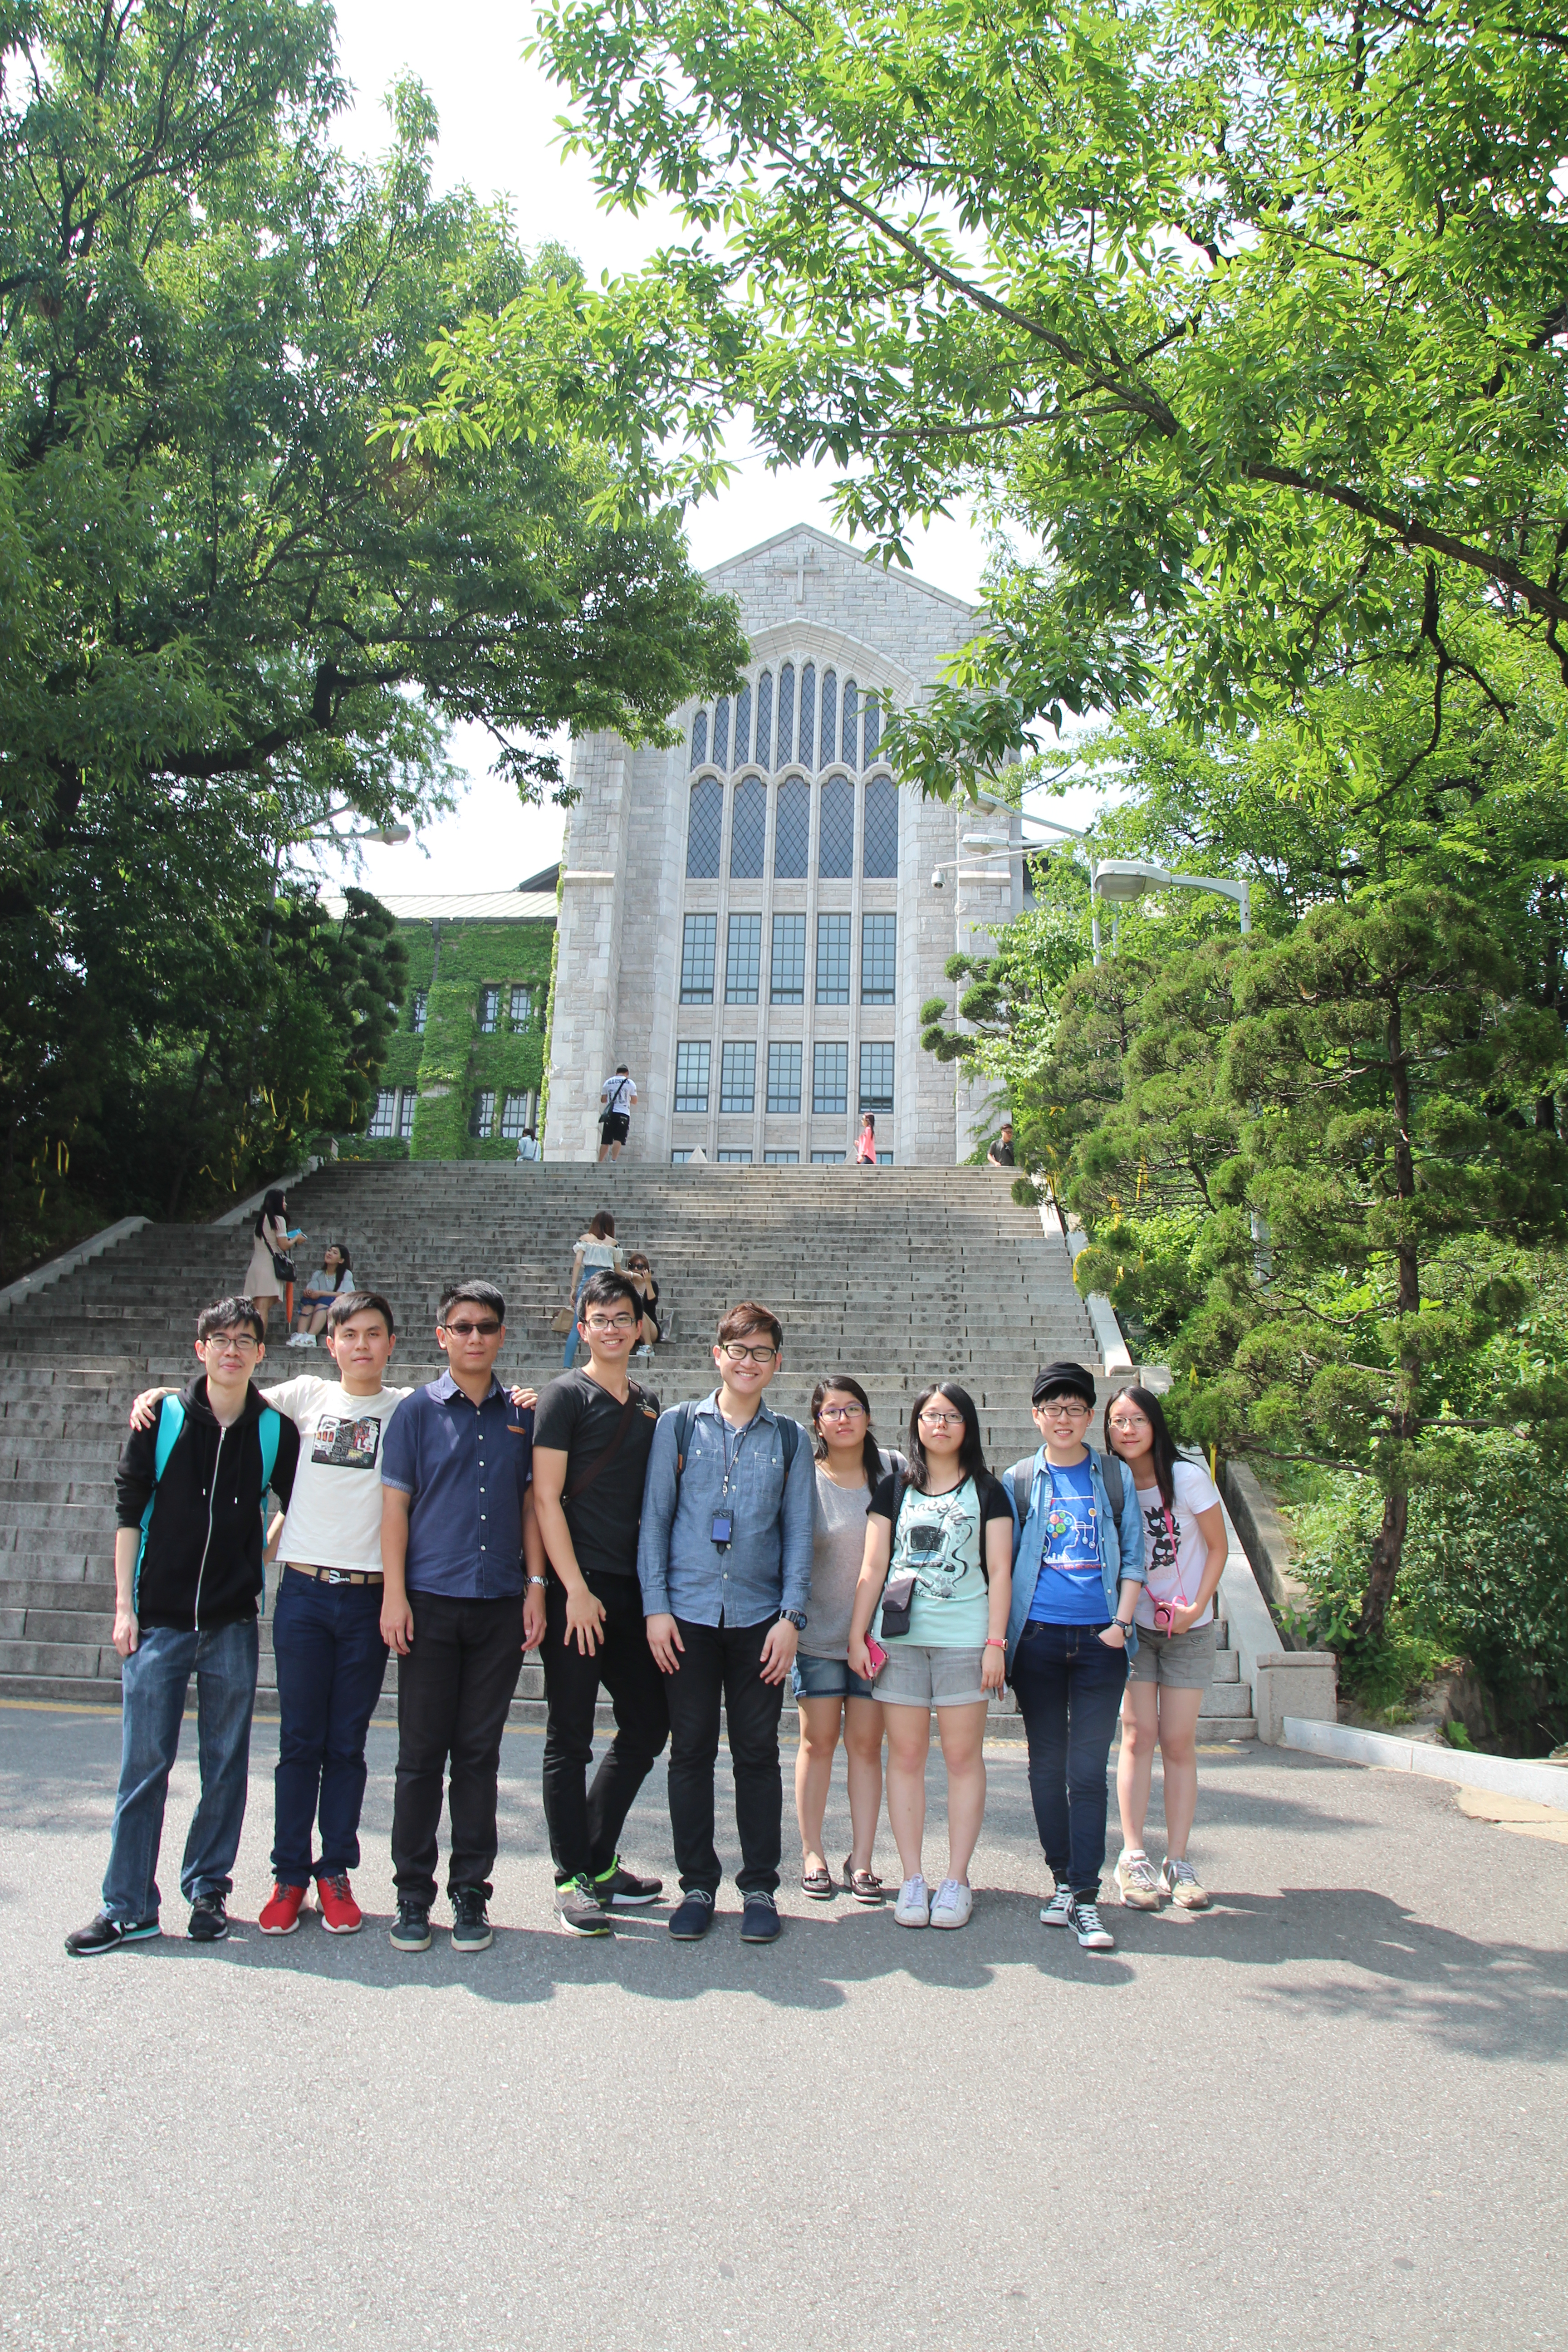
(724, 1562)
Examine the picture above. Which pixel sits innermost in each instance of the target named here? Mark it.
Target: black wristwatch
(792, 1617)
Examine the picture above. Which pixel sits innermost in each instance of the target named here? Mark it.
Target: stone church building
(751, 920)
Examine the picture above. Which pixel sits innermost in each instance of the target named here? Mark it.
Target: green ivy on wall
(451, 1060)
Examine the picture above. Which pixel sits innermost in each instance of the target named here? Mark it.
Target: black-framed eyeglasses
(736, 1353)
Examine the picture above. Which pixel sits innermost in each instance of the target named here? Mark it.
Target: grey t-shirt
(838, 1547)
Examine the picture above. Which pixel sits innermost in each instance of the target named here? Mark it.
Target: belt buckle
(334, 1576)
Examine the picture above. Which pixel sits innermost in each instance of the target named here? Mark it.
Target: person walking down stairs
(190, 1496)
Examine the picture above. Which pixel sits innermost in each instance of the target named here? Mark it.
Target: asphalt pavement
(1328, 2113)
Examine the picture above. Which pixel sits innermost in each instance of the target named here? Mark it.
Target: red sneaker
(340, 1915)
(281, 1915)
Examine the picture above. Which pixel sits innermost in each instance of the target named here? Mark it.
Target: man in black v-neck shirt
(593, 1433)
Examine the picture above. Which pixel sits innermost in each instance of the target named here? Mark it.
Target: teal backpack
(171, 1421)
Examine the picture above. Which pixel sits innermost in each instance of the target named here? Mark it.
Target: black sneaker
(620, 1889)
(411, 1928)
(580, 1909)
(209, 1921)
(106, 1935)
(692, 1917)
(470, 1920)
(759, 1919)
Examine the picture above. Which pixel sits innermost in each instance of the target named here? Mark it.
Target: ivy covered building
(465, 1074)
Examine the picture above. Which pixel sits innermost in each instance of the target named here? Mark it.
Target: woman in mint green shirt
(941, 1538)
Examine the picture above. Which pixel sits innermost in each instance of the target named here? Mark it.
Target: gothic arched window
(835, 842)
(851, 713)
(749, 830)
(807, 714)
(829, 715)
(873, 727)
(743, 725)
(785, 752)
(700, 738)
(721, 733)
(792, 831)
(705, 829)
(880, 852)
(764, 717)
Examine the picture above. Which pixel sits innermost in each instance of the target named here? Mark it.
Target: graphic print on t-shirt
(1160, 1543)
(346, 1442)
(937, 1538)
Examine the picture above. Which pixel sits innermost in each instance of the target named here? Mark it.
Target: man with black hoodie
(187, 1576)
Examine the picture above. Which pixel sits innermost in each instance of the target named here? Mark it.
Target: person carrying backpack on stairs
(190, 1496)
(724, 1562)
(1077, 1575)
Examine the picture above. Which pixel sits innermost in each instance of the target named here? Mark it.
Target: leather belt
(335, 1575)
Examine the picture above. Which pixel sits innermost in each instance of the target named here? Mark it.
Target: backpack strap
(1115, 1485)
(1020, 1483)
(789, 1430)
(170, 1423)
(269, 1429)
(685, 1416)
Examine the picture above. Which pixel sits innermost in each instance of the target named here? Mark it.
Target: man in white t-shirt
(326, 1624)
(616, 1096)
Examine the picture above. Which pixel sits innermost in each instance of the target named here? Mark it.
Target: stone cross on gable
(800, 563)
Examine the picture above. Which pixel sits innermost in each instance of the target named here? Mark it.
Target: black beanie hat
(1064, 1376)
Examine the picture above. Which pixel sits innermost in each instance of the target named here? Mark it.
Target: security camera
(936, 879)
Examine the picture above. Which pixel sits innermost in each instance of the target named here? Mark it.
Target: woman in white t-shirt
(596, 1252)
(850, 1464)
(1184, 1546)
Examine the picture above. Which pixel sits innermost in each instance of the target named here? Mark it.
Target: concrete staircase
(893, 1274)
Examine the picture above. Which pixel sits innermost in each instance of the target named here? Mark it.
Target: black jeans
(453, 1692)
(723, 1662)
(1068, 1685)
(584, 1823)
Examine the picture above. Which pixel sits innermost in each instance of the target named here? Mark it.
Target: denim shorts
(916, 1676)
(1179, 1661)
(826, 1678)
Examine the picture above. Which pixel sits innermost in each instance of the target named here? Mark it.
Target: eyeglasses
(1130, 1421)
(467, 1331)
(238, 1341)
(615, 1323)
(941, 1419)
(841, 1412)
(1055, 1410)
(737, 1352)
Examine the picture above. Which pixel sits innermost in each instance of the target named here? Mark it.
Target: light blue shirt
(766, 1566)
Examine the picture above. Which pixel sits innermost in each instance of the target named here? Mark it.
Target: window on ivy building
(522, 1006)
(383, 1118)
(421, 1010)
(405, 1114)
(517, 1114)
(483, 1118)
(489, 1011)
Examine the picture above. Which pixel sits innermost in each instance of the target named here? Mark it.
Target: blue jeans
(574, 1336)
(332, 1663)
(153, 1681)
(1068, 1685)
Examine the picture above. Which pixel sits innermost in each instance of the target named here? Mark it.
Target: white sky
(498, 114)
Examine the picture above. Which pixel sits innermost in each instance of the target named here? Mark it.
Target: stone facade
(677, 868)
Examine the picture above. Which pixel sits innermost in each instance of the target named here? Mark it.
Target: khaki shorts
(1179, 1661)
(916, 1676)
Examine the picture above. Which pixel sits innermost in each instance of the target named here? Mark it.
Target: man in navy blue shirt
(463, 1597)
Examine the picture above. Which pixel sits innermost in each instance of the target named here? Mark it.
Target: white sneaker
(1092, 1936)
(1138, 1880)
(301, 1339)
(1181, 1883)
(912, 1908)
(1059, 1910)
(951, 1905)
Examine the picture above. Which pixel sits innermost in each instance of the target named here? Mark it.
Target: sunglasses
(467, 1331)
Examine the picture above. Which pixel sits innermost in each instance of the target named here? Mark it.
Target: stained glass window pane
(705, 829)
(835, 842)
(721, 733)
(879, 959)
(851, 712)
(792, 831)
(700, 738)
(738, 1078)
(787, 716)
(691, 1076)
(875, 1077)
(788, 982)
(743, 963)
(749, 830)
(699, 938)
(764, 717)
(829, 715)
(829, 1079)
(743, 724)
(880, 852)
(833, 959)
(808, 713)
(784, 1076)
(873, 727)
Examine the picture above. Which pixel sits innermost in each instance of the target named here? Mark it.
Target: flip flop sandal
(863, 1885)
(818, 1884)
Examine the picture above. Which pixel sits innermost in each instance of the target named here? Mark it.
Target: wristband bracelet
(536, 1579)
(992, 1642)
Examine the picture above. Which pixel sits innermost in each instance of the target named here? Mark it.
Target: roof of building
(464, 907)
(545, 879)
(840, 547)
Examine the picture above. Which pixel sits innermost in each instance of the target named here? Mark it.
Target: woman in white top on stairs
(1184, 1548)
(849, 1465)
(596, 1253)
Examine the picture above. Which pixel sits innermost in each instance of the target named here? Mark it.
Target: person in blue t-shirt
(1076, 1582)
